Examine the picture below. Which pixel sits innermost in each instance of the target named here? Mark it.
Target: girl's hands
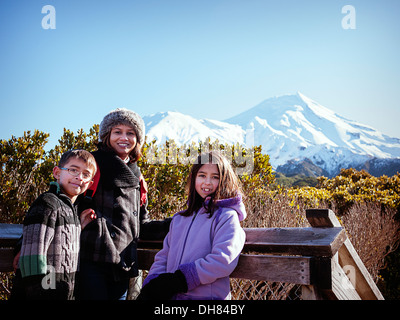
(86, 217)
(164, 287)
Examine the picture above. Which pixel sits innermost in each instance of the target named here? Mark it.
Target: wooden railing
(321, 259)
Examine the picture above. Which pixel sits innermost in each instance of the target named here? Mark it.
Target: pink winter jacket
(205, 249)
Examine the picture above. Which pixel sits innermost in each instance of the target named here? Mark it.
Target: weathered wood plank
(9, 234)
(145, 258)
(256, 267)
(361, 278)
(298, 241)
(322, 218)
(348, 259)
(288, 269)
(329, 282)
(148, 244)
(311, 292)
(342, 287)
(6, 259)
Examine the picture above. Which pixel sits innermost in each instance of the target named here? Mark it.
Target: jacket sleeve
(38, 233)
(228, 242)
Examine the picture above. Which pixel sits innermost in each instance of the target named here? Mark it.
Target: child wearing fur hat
(108, 257)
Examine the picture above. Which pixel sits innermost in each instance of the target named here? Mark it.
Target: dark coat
(113, 236)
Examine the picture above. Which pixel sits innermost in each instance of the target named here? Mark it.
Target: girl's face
(207, 180)
(123, 140)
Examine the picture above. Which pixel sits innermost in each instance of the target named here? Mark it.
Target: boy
(51, 232)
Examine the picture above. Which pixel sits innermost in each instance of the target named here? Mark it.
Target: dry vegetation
(366, 205)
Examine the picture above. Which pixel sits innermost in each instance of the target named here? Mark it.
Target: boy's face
(70, 185)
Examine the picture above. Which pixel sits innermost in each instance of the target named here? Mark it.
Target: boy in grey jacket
(52, 228)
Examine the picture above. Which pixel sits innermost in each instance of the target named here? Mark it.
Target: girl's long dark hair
(229, 183)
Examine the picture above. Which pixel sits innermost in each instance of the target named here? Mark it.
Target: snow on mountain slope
(184, 129)
(289, 128)
(296, 127)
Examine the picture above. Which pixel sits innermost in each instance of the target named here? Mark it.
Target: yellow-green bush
(352, 186)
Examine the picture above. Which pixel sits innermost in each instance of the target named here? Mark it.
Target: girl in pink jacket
(204, 241)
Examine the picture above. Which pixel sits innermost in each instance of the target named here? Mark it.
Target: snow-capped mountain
(184, 129)
(290, 128)
(294, 127)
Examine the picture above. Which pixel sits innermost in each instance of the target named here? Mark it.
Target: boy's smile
(70, 184)
(207, 180)
(75, 185)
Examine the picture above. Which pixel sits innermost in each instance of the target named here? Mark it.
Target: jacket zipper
(187, 234)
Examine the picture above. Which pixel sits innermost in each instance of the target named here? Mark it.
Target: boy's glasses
(73, 172)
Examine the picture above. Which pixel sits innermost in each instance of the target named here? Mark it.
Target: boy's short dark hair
(80, 154)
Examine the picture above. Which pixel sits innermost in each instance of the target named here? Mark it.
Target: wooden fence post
(348, 277)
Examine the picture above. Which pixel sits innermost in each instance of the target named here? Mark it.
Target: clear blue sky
(206, 58)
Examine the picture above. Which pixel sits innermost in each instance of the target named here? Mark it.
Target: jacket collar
(225, 202)
(235, 203)
(114, 171)
(56, 190)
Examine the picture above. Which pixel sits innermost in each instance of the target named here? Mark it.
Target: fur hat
(122, 116)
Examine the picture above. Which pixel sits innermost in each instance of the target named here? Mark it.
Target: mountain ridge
(290, 129)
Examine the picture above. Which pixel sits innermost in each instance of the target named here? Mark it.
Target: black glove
(164, 287)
